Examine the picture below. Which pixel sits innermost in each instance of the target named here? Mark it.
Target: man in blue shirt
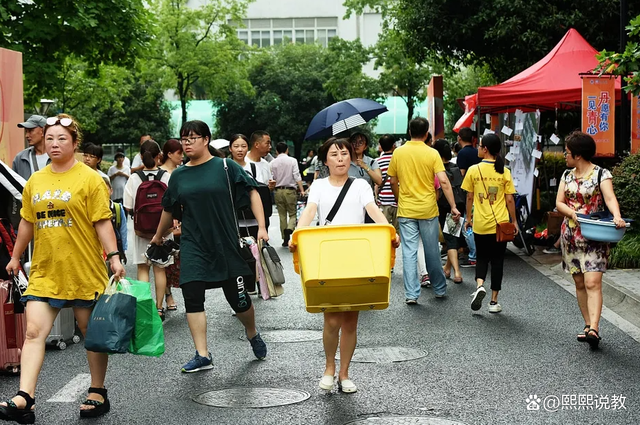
(467, 157)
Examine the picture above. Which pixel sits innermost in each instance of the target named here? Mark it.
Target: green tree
(507, 35)
(48, 32)
(199, 46)
(288, 82)
(344, 61)
(626, 63)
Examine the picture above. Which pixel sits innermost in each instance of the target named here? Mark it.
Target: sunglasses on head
(65, 122)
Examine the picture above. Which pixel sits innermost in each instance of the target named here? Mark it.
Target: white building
(269, 22)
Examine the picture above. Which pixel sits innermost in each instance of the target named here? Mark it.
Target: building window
(267, 32)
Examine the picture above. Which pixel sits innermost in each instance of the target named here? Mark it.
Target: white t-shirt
(41, 160)
(352, 210)
(134, 183)
(126, 162)
(137, 161)
(118, 183)
(263, 169)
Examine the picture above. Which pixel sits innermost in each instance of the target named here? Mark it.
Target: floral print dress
(583, 195)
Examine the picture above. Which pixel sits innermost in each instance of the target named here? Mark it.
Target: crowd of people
(207, 201)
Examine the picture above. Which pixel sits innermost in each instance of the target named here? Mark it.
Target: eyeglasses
(65, 122)
(359, 142)
(88, 155)
(189, 140)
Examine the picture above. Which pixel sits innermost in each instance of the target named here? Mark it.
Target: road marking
(70, 392)
(614, 318)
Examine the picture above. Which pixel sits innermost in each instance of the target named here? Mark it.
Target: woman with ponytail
(151, 158)
(490, 191)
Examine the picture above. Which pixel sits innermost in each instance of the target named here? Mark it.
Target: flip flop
(172, 307)
(457, 280)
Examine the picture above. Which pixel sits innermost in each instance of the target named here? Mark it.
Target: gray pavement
(480, 368)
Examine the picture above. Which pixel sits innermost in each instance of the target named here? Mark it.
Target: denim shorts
(57, 303)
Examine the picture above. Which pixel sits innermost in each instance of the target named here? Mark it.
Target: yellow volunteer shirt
(67, 260)
(497, 186)
(415, 165)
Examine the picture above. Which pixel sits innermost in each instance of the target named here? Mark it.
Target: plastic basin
(345, 268)
(599, 229)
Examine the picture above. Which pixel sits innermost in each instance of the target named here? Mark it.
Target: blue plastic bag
(112, 321)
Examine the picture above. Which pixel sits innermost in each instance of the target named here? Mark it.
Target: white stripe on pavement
(70, 392)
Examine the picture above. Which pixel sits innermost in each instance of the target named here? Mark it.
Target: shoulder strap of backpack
(159, 174)
(142, 175)
(254, 170)
(341, 196)
(118, 212)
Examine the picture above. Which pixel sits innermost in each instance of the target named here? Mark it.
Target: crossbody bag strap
(34, 161)
(487, 193)
(338, 202)
(233, 204)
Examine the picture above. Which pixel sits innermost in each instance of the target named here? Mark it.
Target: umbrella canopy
(342, 116)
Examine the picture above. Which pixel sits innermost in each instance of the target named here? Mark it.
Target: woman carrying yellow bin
(358, 198)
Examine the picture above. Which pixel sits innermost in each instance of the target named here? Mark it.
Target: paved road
(479, 368)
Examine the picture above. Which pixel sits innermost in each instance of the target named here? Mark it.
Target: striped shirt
(385, 195)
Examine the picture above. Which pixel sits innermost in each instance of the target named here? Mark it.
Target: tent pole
(623, 143)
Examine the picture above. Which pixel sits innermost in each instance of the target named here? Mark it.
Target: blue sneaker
(198, 363)
(258, 346)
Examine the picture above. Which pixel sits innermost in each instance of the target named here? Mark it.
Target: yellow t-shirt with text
(415, 165)
(497, 186)
(67, 260)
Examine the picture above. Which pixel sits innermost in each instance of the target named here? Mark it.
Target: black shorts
(234, 291)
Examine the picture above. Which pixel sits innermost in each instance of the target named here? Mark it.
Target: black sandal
(11, 412)
(161, 314)
(583, 336)
(593, 340)
(99, 407)
(172, 307)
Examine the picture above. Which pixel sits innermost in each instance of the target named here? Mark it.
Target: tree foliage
(626, 63)
(506, 35)
(48, 32)
(288, 82)
(199, 46)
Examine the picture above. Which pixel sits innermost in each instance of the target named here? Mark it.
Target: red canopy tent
(552, 82)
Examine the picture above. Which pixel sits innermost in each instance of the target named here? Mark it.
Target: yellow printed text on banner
(598, 112)
(635, 124)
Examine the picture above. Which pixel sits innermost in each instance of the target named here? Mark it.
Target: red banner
(598, 112)
(635, 124)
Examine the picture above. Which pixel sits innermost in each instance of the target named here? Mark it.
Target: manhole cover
(403, 420)
(251, 398)
(386, 354)
(291, 335)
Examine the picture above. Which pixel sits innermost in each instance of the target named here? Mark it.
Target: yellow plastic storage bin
(345, 268)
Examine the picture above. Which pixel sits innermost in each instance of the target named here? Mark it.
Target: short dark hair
(340, 143)
(92, 149)
(282, 147)
(386, 142)
(197, 127)
(256, 136)
(444, 149)
(581, 144)
(418, 127)
(456, 147)
(466, 134)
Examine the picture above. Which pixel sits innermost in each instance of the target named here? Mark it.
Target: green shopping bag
(148, 334)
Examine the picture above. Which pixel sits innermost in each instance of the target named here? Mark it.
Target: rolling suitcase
(10, 357)
(63, 330)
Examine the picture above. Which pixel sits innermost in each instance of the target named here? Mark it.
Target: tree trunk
(182, 93)
(411, 102)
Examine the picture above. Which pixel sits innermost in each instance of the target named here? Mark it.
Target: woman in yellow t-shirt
(490, 193)
(66, 208)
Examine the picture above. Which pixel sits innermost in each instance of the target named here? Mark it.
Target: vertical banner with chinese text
(598, 112)
(635, 124)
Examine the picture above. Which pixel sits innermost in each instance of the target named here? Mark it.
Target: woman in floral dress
(585, 189)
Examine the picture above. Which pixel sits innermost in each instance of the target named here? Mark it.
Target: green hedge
(626, 185)
(626, 254)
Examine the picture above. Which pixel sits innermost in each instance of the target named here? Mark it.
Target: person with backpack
(143, 199)
(339, 199)
(455, 178)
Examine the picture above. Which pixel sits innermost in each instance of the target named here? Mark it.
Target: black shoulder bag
(336, 206)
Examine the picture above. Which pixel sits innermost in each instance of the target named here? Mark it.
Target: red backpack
(148, 206)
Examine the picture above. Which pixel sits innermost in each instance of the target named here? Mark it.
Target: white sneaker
(478, 296)
(495, 308)
(326, 383)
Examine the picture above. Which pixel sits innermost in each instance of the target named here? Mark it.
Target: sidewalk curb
(620, 306)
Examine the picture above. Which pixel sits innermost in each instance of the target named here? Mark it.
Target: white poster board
(522, 164)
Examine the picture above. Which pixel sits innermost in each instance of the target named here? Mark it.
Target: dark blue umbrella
(342, 116)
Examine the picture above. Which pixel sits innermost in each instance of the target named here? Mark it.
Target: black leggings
(234, 292)
(488, 250)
